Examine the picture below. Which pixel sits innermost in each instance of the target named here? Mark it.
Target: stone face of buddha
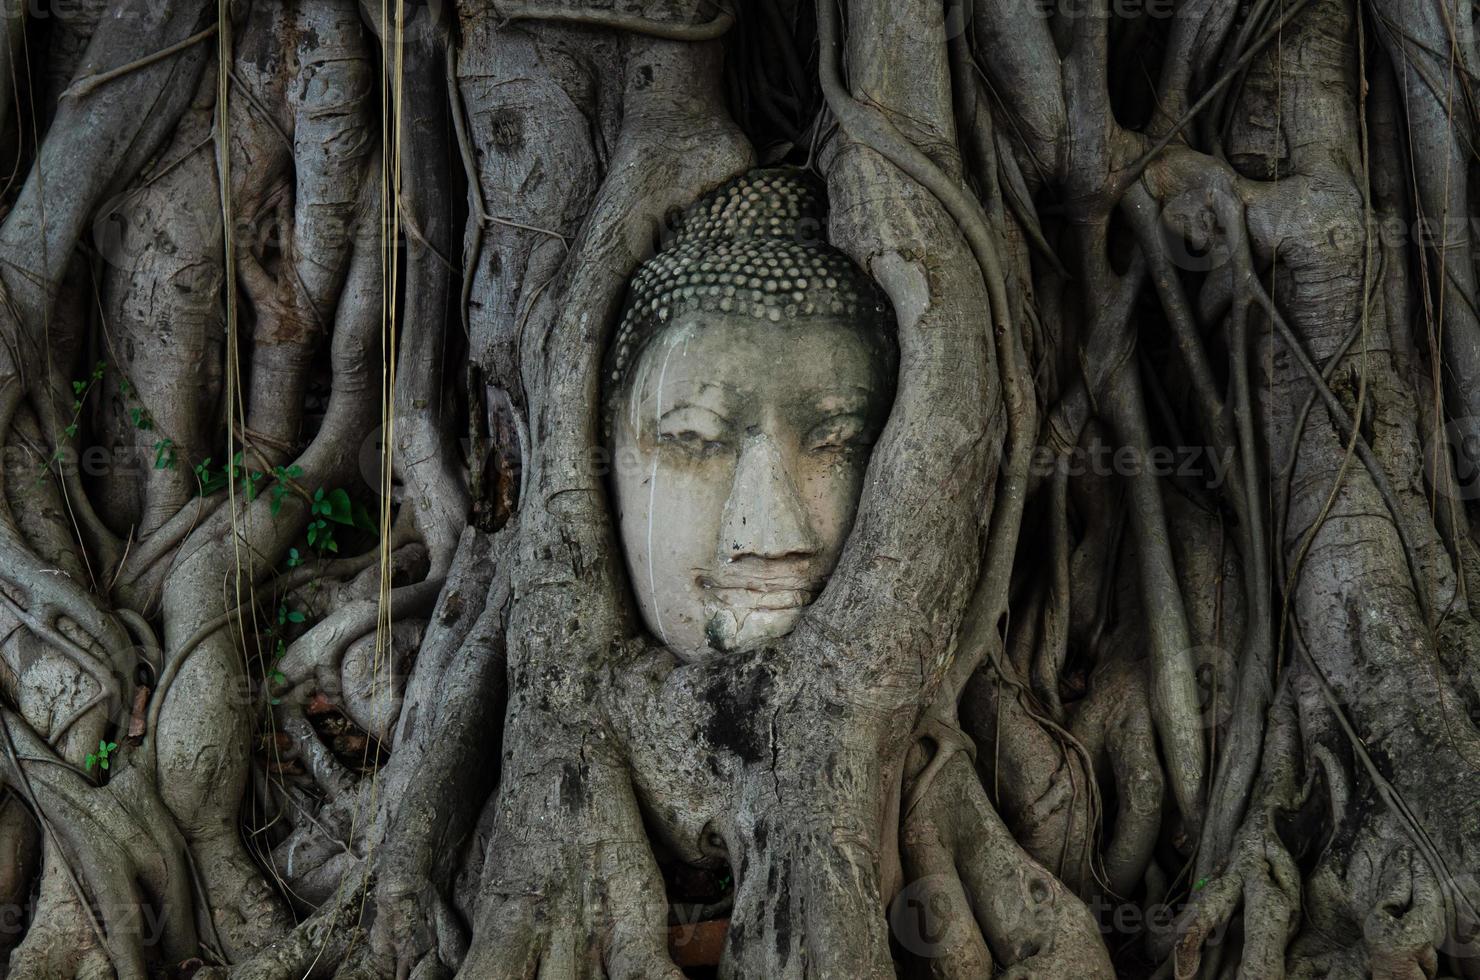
(740, 446)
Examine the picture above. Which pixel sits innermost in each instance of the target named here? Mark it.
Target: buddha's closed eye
(695, 429)
(839, 433)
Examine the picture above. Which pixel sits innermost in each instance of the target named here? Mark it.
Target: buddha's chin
(736, 629)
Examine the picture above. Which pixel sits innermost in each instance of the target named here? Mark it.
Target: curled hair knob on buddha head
(752, 248)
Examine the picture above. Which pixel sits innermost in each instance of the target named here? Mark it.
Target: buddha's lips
(763, 593)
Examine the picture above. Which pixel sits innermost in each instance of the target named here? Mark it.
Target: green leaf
(295, 616)
(277, 677)
(72, 431)
(103, 763)
(164, 454)
(209, 482)
(78, 387)
(339, 510)
(364, 520)
(294, 558)
(90, 761)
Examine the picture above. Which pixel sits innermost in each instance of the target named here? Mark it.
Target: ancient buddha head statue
(752, 371)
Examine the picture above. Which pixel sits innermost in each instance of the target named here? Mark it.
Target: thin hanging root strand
(84, 87)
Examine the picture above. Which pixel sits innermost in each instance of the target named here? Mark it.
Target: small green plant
(80, 389)
(280, 489)
(100, 757)
(285, 617)
(328, 508)
(208, 480)
(249, 477)
(332, 505)
(164, 454)
(280, 649)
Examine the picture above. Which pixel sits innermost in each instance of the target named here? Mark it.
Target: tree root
(122, 845)
(1263, 879)
(1034, 926)
(59, 942)
(314, 949)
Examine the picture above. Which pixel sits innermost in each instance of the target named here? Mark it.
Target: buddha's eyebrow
(686, 410)
(687, 387)
(706, 394)
(854, 398)
(703, 387)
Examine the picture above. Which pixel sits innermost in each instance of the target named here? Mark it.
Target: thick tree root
(1033, 924)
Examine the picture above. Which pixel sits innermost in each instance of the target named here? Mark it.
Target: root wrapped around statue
(853, 489)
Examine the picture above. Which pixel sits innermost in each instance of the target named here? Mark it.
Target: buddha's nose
(765, 516)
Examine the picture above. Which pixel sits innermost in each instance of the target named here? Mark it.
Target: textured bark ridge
(1150, 652)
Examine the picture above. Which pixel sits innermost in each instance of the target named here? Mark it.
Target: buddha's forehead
(704, 356)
